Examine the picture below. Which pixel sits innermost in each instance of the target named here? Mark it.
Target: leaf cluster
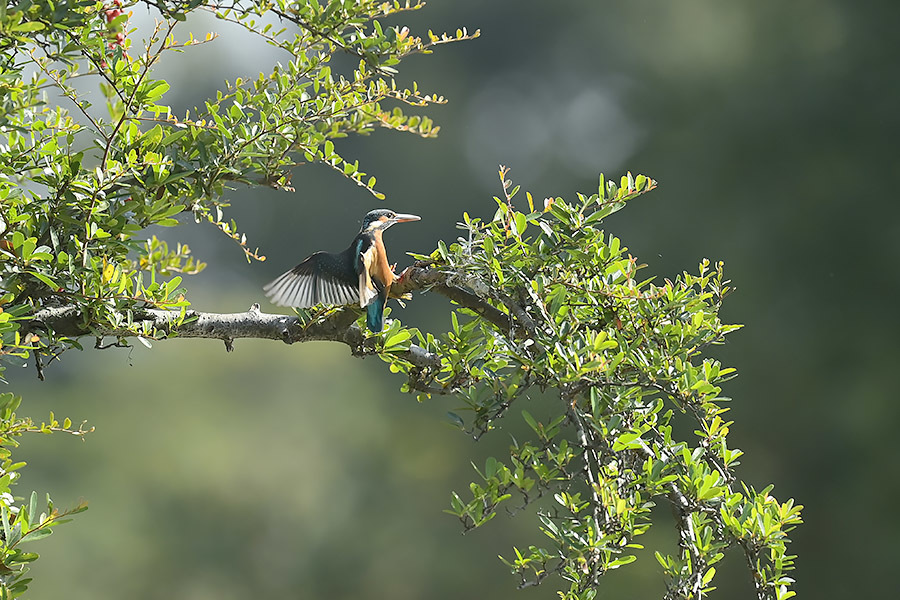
(79, 185)
(22, 523)
(547, 301)
(82, 180)
(626, 356)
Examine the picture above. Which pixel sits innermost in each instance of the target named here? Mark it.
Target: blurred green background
(302, 472)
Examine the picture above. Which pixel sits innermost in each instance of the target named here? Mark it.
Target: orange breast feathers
(383, 271)
(375, 267)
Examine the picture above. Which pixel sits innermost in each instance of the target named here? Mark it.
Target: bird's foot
(402, 276)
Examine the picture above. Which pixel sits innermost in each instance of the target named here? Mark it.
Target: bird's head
(382, 218)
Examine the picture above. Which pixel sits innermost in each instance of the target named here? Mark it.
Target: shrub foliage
(546, 301)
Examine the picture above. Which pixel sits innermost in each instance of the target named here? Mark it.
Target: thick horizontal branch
(339, 327)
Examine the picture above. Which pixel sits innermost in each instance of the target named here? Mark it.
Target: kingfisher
(361, 273)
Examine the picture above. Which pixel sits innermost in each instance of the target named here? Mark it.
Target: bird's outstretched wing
(320, 279)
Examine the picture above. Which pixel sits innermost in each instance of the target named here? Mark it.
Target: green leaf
(154, 136)
(37, 534)
(155, 90)
(456, 419)
(531, 422)
(32, 509)
(28, 27)
(172, 285)
(629, 439)
(623, 560)
(173, 137)
(44, 278)
(521, 223)
(397, 341)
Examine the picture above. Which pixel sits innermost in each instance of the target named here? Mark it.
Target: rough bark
(69, 320)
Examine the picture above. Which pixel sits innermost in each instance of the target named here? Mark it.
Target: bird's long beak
(403, 218)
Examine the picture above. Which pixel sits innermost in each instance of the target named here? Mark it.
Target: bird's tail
(375, 313)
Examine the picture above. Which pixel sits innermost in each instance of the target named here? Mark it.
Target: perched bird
(361, 273)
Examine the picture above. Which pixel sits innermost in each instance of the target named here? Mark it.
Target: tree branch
(71, 321)
(338, 327)
(425, 276)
